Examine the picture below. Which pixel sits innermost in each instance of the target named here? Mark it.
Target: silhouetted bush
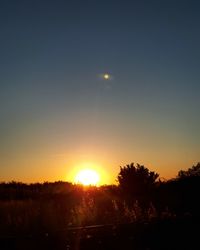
(191, 172)
(137, 183)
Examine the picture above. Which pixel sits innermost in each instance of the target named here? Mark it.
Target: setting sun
(87, 177)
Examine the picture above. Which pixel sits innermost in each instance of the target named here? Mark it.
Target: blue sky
(57, 112)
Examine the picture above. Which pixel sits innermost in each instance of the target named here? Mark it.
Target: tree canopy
(136, 181)
(190, 172)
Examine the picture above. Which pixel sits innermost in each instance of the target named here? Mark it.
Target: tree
(136, 182)
(191, 172)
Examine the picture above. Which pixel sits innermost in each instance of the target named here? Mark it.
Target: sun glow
(87, 177)
(88, 173)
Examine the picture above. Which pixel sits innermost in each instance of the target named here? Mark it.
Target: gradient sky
(57, 113)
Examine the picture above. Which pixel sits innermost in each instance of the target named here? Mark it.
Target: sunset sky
(59, 114)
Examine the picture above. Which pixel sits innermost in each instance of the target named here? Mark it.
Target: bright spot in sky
(87, 177)
(106, 76)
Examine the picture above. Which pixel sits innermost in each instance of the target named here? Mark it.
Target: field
(165, 235)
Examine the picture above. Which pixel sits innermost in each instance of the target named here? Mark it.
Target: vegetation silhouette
(137, 184)
(140, 206)
(194, 171)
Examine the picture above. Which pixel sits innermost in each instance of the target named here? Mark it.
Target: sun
(87, 177)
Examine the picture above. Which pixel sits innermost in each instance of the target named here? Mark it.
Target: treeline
(138, 196)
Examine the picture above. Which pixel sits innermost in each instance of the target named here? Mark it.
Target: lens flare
(106, 76)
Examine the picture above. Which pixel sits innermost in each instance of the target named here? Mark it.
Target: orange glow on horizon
(88, 174)
(87, 177)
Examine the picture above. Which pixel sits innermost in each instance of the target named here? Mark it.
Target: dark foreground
(166, 234)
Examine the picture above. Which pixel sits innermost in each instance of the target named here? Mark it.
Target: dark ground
(166, 234)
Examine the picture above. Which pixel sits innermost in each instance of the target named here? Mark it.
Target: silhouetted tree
(181, 194)
(136, 182)
(191, 172)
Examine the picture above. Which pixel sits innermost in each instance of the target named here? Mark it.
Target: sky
(58, 114)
